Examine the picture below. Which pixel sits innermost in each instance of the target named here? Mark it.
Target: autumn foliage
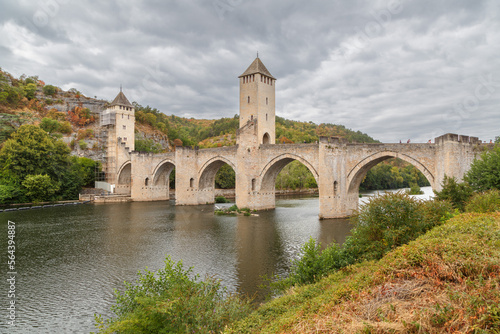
(81, 116)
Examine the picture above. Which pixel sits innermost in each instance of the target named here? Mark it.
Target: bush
(39, 187)
(488, 201)
(414, 190)
(382, 224)
(221, 199)
(484, 173)
(82, 144)
(457, 193)
(49, 90)
(173, 301)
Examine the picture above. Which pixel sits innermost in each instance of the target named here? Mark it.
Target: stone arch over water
(358, 173)
(273, 168)
(161, 174)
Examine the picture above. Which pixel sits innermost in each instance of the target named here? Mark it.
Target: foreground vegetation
(445, 281)
(409, 266)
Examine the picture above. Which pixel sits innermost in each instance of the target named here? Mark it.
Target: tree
(456, 193)
(50, 125)
(32, 151)
(177, 142)
(39, 187)
(225, 178)
(484, 173)
(49, 90)
(29, 91)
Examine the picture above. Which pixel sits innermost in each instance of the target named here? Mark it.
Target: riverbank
(444, 281)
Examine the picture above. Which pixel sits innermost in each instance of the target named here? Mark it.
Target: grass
(447, 280)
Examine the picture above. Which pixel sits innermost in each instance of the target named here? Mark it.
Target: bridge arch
(125, 173)
(161, 174)
(206, 175)
(273, 168)
(358, 172)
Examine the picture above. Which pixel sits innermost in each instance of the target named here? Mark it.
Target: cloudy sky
(395, 69)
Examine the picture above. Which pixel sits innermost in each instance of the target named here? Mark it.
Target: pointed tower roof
(257, 67)
(121, 100)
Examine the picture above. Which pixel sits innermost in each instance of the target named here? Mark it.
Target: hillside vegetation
(72, 118)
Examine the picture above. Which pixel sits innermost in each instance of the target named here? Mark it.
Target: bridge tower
(257, 101)
(117, 126)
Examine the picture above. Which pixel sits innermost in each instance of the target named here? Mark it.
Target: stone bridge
(339, 168)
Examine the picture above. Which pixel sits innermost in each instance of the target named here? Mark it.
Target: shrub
(82, 144)
(49, 90)
(382, 224)
(172, 300)
(414, 190)
(488, 201)
(457, 193)
(221, 199)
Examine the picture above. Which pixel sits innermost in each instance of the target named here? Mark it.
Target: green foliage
(484, 173)
(393, 174)
(414, 190)
(225, 178)
(295, 175)
(384, 223)
(457, 193)
(49, 90)
(172, 300)
(32, 151)
(50, 125)
(39, 187)
(147, 145)
(82, 144)
(86, 169)
(29, 91)
(455, 265)
(488, 201)
(221, 199)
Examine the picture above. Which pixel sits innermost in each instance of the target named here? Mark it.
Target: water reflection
(70, 259)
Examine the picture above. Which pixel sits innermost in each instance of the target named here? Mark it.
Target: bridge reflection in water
(72, 258)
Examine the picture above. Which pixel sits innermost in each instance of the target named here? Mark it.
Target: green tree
(49, 90)
(29, 91)
(484, 173)
(39, 187)
(225, 178)
(453, 191)
(50, 125)
(32, 151)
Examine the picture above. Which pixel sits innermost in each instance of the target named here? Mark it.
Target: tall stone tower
(118, 122)
(257, 101)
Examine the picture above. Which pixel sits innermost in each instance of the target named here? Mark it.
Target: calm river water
(70, 259)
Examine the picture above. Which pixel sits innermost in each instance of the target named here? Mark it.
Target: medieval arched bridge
(338, 166)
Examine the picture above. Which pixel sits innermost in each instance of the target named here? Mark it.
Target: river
(70, 259)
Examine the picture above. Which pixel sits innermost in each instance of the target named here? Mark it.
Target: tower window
(253, 184)
(146, 182)
(266, 117)
(128, 116)
(124, 127)
(249, 99)
(122, 114)
(191, 183)
(266, 103)
(124, 138)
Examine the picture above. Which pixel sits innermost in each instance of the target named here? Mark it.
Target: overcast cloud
(393, 69)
